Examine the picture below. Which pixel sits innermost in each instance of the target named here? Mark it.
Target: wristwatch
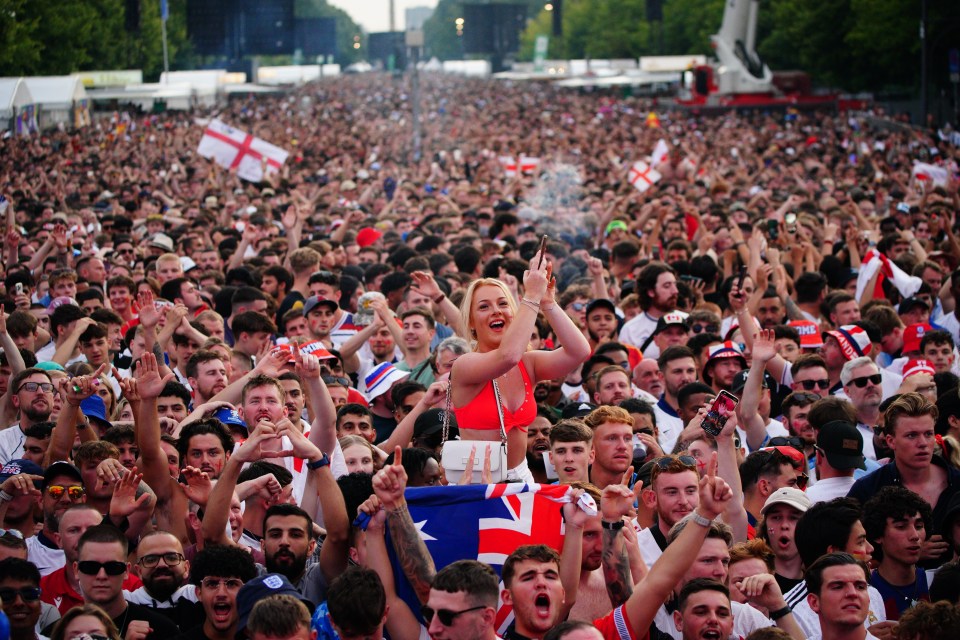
(322, 462)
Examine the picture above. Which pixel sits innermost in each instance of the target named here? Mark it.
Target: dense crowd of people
(217, 393)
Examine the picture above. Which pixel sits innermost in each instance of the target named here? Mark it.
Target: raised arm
(574, 348)
(323, 431)
(472, 369)
(76, 390)
(427, 285)
(666, 572)
(763, 351)
(728, 469)
(403, 434)
(415, 560)
(149, 384)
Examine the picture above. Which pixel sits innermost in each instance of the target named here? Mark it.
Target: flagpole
(163, 31)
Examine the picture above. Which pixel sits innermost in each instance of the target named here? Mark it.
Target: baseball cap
(270, 584)
(61, 468)
(17, 466)
(313, 301)
(912, 336)
(915, 366)
(379, 380)
(740, 381)
(909, 303)
(854, 341)
(367, 236)
(672, 319)
(348, 185)
(842, 443)
(809, 332)
(789, 496)
(430, 423)
(600, 302)
(577, 410)
(230, 417)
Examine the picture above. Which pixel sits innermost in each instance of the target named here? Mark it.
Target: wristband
(439, 298)
(701, 520)
(5, 497)
(612, 526)
(319, 464)
(780, 613)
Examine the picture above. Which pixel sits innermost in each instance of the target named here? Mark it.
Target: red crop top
(481, 412)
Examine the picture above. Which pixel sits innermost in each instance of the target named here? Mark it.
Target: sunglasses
(447, 617)
(704, 328)
(861, 382)
(578, 306)
(810, 385)
(73, 492)
(337, 380)
(672, 463)
(32, 387)
(804, 397)
(783, 441)
(151, 560)
(92, 567)
(27, 594)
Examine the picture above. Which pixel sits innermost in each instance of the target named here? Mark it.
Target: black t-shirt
(786, 584)
(195, 633)
(161, 627)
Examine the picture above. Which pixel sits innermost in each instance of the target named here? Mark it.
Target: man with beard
(20, 596)
(206, 374)
(724, 362)
(62, 487)
(538, 442)
(217, 575)
(678, 367)
(294, 399)
(613, 386)
(102, 568)
(164, 569)
(62, 587)
(287, 529)
(657, 290)
(31, 393)
(612, 444)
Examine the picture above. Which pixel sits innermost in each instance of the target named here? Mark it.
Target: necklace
(911, 599)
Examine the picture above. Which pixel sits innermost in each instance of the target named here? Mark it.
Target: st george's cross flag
(526, 164)
(235, 149)
(642, 176)
(485, 523)
(938, 176)
(875, 261)
(660, 153)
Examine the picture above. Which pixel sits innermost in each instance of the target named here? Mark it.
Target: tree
(346, 27)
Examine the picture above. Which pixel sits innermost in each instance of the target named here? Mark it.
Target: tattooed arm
(616, 501)
(388, 485)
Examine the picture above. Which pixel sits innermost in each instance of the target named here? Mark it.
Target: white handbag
(456, 453)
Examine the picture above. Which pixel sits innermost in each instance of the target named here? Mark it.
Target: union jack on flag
(482, 522)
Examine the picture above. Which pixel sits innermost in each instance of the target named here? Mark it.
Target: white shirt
(140, 596)
(649, 549)
(46, 560)
(11, 443)
(746, 620)
(829, 488)
(951, 324)
(809, 621)
(670, 428)
(637, 330)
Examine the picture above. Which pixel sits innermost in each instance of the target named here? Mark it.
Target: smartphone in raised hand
(543, 250)
(716, 418)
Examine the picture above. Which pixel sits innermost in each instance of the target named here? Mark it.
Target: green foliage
(346, 27)
(440, 39)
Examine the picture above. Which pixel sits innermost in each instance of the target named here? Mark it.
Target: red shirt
(56, 590)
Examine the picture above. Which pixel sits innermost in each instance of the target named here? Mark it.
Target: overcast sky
(373, 15)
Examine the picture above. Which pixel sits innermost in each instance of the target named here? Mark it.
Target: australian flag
(482, 522)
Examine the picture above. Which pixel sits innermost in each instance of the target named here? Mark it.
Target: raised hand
(436, 393)
(425, 284)
(149, 382)
(378, 516)
(715, 493)
(149, 315)
(80, 388)
(272, 363)
(763, 591)
(22, 484)
(197, 485)
(307, 364)
(390, 482)
(125, 502)
(616, 501)
(299, 443)
(110, 471)
(764, 347)
(252, 448)
(594, 266)
(536, 278)
(573, 515)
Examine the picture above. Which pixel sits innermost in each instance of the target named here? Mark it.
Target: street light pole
(414, 40)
